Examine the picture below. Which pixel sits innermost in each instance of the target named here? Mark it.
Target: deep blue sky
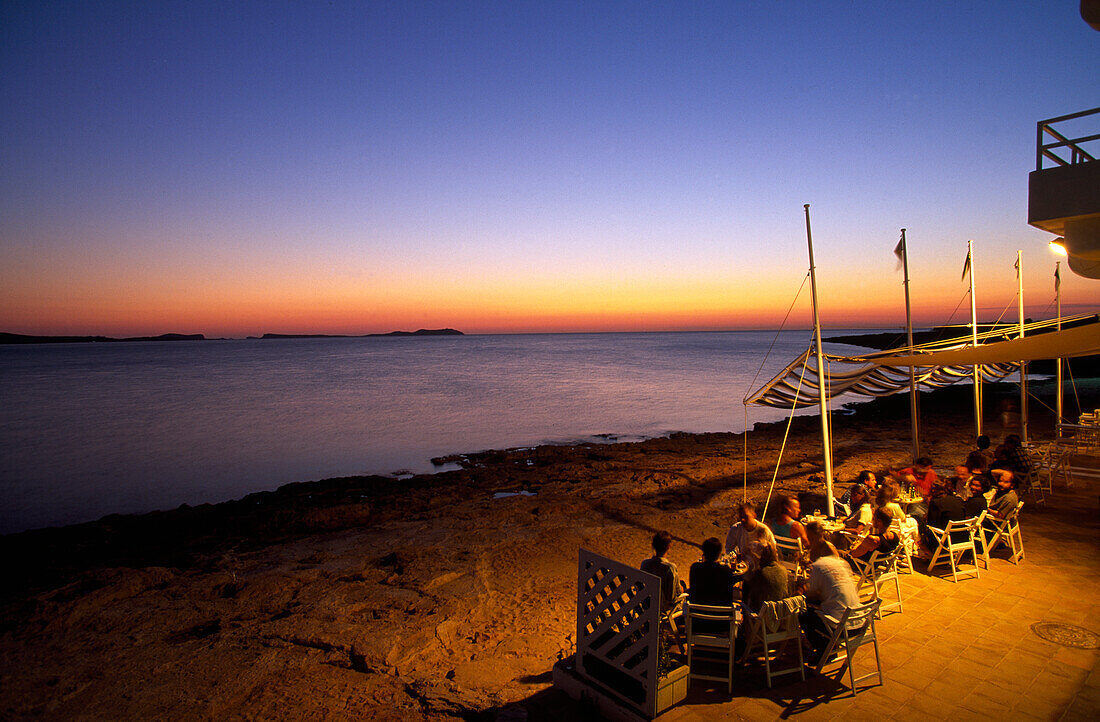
(237, 167)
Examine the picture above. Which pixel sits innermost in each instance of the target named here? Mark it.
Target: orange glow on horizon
(93, 300)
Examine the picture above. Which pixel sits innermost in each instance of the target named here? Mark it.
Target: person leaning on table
(748, 537)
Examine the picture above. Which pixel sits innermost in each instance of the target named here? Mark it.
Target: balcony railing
(1060, 144)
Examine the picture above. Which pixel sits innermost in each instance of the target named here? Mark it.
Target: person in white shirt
(748, 537)
(860, 518)
(831, 588)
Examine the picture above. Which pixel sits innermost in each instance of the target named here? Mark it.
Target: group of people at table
(749, 570)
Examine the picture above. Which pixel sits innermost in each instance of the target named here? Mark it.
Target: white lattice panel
(617, 629)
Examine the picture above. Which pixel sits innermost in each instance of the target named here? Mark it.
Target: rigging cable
(782, 447)
(744, 400)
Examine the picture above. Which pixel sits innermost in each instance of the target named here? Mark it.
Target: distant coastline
(18, 338)
(418, 332)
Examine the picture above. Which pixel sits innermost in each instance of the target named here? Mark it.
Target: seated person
(949, 507)
(922, 473)
(867, 480)
(659, 566)
(945, 507)
(881, 539)
(748, 537)
(975, 502)
(981, 458)
(819, 545)
(886, 498)
(711, 582)
(832, 590)
(959, 482)
(922, 477)
(1012, 456)
(1005, 499)
(769, 584)
(860, 518)
(787, 523)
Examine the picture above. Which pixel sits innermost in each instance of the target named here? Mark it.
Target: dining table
(906, 500)
(835, 531)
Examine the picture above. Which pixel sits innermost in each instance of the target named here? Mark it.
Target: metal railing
(1075, 145)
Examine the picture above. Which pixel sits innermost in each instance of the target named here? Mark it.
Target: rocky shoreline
(422, 598)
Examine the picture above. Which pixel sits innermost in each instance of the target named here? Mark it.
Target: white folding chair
(1004, 531)
(765, 641)
(790, 554)
(908, 546)
(955, 540)
(713, 630)
(1030, 482)
(855, 628)
(1045, 463)
(878, 571)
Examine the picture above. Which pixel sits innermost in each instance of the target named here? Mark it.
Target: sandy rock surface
(426, 599)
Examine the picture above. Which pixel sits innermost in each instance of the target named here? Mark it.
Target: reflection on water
(90, 429)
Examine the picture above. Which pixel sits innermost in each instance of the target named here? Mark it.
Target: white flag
(899, 251)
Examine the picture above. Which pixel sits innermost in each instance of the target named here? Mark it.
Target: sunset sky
(234, 168)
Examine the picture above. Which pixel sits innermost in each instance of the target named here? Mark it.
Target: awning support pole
(914, 400)
(1058, 362)
(974, 340)
(825, 440)
(1023, 364)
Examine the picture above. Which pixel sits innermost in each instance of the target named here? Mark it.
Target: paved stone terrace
(959, 651)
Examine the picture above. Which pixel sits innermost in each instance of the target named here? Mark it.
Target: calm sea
(93, 429)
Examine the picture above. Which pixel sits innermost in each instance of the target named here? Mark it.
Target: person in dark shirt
(1012, 455)
(980, 458)
(708, 581)
(769, 584)
(659, 566)
(868, 480)
(975, 502)
(943, 509)
(881, 539)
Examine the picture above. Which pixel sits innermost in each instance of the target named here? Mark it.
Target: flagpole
(1023, 364)
(974, 339)
(1058, 361)
(826, 442)
(914, 400)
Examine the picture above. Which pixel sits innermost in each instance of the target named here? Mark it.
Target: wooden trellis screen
(617, 630)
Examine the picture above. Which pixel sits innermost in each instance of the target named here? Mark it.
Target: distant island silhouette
(418, 332)
(21, 338)
(18, 338)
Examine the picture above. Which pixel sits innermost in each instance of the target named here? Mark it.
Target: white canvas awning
(935, 365)
(1067, 343)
